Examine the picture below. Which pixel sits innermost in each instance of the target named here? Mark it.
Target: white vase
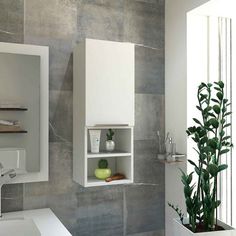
(110, 145)
(181, 230)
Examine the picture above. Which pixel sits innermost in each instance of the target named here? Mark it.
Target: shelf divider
(93, 181)
(108, 154)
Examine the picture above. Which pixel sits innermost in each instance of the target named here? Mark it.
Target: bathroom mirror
(24, 106)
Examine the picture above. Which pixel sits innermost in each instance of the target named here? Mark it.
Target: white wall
(176, 94)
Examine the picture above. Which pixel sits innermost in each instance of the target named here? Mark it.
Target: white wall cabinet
(103, 96)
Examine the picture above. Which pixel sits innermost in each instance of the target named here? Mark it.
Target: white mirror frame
(43, 52)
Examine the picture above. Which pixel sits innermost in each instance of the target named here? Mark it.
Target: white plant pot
(181, 230)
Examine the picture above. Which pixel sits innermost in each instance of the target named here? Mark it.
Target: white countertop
(45, 220)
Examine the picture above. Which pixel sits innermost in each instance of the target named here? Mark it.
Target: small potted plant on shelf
(102, 172)
(212, 141)
(110, 144)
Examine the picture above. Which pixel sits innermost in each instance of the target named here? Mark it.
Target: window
(210, 54)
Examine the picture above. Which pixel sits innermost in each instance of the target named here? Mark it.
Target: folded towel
(6, 128)
(9, 122)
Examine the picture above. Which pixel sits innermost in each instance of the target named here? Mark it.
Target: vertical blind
(220, 62)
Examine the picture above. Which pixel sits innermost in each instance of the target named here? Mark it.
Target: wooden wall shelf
(13, 109)
(14, 132)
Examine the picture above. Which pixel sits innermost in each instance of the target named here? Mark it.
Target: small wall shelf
(14, 132)
(13, 109)
(103, 154)
(171, 162)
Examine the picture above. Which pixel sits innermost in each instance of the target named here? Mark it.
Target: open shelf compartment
(119, 161)
(122, 139)
(123, 165)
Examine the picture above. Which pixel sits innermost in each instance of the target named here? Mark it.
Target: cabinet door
(109, 83)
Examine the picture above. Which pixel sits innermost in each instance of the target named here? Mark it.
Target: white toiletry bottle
(95, 140)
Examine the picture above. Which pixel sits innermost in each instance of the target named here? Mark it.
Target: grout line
(125, 213)
(146, 184)
(24, 22)
(145, 46)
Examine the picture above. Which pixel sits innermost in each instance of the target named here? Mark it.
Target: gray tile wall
(137, 209)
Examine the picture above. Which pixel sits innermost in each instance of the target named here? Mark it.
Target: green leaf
(228, 113)
(226, 144)
(207, 109)
(219, 95)
(212, 114)
(226, 137)
(212, 143)
(190, 178)
(222, 167)
(195, 140)
(199, 108)
(213, 158)
(203, 140)
(218, 89)
(192, 163)
(223, 121)
(192, 129)
(227, 125)
(221, 84)
(202, 85)
(197, 170)
(184, 178)
(202, 97)
(187, 191)
(201, 133)
(216, 109)
(222, 133)
(224, 151)
(214, 122)
(197, 121)
(216, 204)
(212, 169)
(214, 100)
(206, 149)
(188, 203)
(205, 175)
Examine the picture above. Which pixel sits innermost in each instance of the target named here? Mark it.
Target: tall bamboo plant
(212, 142)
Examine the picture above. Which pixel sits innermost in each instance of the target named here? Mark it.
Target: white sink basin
(19, 227)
